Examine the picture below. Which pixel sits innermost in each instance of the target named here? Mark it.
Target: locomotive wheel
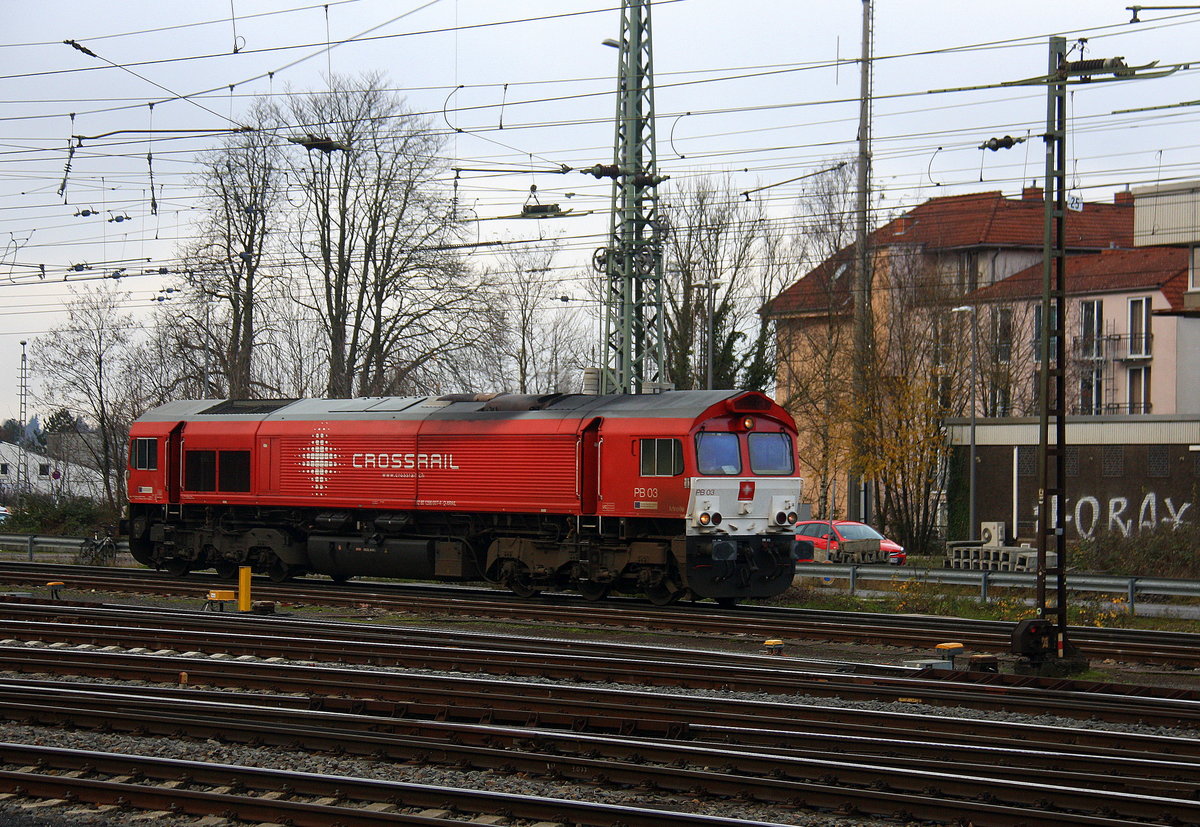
(520, 582)
(591, 590)
(664, 594)
(226, 569)
(280, 572)
(177, 566)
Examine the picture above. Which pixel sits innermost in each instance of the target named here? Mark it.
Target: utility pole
(858, 492)
(1052, 423)
(1052, 405)
(23, 399)
(632, 264)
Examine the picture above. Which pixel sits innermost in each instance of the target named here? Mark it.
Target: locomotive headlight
(793, 518)
(781, 518)
(704, 519)
(748, 423)
(716, 518)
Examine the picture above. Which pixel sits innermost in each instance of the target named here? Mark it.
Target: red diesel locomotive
(683, 493)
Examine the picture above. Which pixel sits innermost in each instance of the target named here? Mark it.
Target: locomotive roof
(669, 404)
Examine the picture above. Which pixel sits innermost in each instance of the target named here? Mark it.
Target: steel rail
(900, 630)
(772, 675)
(575, 707)
(1005, 756)
(331, 787)
(630, 664)
(244, 720)
(669, 767)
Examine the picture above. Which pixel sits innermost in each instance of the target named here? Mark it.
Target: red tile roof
(988, 219)
(956, 222)
(1111, 271)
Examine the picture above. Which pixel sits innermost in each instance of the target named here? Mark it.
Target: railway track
(149, 630)
(1174, 648)
(770, 753)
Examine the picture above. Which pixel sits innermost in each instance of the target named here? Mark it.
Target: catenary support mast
(632, 264)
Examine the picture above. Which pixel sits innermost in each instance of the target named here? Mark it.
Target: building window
(1071, 460)
(1091, 329)
(945, 393)
(1114, 461)
(1026, 461)
(1139, 390)
(1158, 461)
(661, 457)
(3, 469)
(234, 471)
(143, 454)
(999, 400)
(1037, 331)
(44, 469)
(1002, 334)
(1139, 326)
(1091, 387)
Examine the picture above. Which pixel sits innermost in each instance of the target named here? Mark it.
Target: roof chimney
(1031, 194)
(1124, 197)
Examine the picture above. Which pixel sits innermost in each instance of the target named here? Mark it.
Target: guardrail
(1129, 587)
(32, 543)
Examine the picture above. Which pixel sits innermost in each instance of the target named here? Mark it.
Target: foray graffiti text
(1089, 515)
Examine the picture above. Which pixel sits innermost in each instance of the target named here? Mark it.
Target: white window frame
(1139, 402)
(1094, 332)
(1139, 326)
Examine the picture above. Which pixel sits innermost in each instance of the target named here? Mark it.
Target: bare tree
(82, 364)
(241, 188)
(816, 342)
(541, 341)
(375, 238)
(722, 263)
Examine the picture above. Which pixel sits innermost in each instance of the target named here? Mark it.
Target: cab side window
(661, 457)
(143, 454)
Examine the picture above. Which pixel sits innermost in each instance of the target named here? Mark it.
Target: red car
(821, 532)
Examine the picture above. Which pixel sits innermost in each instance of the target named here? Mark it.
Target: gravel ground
(18, 814)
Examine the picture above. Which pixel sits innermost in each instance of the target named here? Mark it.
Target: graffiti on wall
(1120, 515)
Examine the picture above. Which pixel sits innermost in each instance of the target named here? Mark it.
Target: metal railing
(984, 581)
(33, 543)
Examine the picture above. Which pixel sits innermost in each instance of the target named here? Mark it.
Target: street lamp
(974, 377)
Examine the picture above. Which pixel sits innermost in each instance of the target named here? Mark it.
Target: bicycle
(97, 550)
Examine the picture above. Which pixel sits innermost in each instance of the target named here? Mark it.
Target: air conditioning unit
(992, 534)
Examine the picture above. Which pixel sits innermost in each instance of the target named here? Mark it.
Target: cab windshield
(771, 454)
(718, 455)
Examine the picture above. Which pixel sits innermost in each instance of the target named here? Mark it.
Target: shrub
(1164, 552)
(70, 516)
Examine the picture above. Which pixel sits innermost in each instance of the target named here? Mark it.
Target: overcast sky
(761, 90)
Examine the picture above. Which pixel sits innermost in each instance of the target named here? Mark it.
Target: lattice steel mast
(632, 264)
